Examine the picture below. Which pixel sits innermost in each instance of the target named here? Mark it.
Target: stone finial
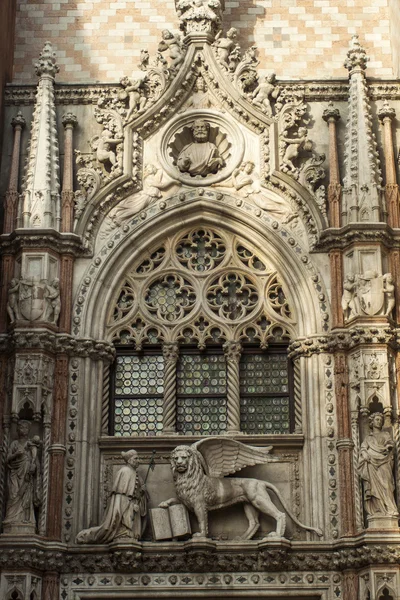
(47, 65)
(386, 112)
(200, 16)
(331, 114)
(356, 56)
(69, 120)
(18, 120)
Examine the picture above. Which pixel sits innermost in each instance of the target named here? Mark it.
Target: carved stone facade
(199, 313)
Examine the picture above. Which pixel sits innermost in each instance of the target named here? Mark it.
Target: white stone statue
(264, 91)
(13, 300)
(172, 43)
(200, 157)
(134, 91)
(294, 145)
(199, 475)
(126, 512)
(350, 301)
(247, 182)
(375, 467)
(368, 294)
(227, 49)
(24, 483)
(53, 302)
(105, 148)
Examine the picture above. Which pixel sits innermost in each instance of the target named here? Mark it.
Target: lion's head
(187, 469)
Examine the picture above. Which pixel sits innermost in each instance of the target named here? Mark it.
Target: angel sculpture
(199, 475)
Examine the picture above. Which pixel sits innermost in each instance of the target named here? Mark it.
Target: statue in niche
(375, 466)
(13, 301)
(125, 517)
(264, 91)
(247, 182)
(200, 157)
(388, 290)
(24, 483)
(53, 302)
(172, 43)
(135, 92)
(199, 475)
(227, 49)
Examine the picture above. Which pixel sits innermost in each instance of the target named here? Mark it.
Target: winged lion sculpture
(199, 474)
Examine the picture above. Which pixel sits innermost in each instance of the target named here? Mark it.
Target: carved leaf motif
(225, 456)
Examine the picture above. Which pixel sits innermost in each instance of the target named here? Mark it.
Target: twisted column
(67, 194)
(332, 115)
(386, 115)
(170, 353)
(45, 477)
(336, 264)
(233, 352)
(298, 425)
(105, 404)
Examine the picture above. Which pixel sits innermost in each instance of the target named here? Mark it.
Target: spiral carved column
(170, 353)
(233, 352)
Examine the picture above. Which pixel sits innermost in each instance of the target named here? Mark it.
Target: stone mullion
(336, 265)
(386, 115)
(46, 471)
(67, 194)
(12, 196)
(331, 115)
(57, 449)
(4, 427)
(171, 354)
(298, 419)
(233, 352)
(345, 446)
(105, 405)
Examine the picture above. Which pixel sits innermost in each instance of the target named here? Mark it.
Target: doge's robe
(125, 514)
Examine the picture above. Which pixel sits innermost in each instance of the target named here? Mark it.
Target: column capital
(69, 120)
(386, 112)
(18, 121)
(331, 114)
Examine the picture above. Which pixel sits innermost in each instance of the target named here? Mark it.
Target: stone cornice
(318, 90)
(56, 343)
(50, 239)
(354, 335)
(381, 233)
(199, 556)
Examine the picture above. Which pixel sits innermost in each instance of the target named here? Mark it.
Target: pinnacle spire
(362, 193)
(41, 186)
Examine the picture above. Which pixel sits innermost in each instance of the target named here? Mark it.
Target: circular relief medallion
(170, 297)
(201, 148)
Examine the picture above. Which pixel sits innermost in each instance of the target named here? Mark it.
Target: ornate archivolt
(203, 285)
(257, 131)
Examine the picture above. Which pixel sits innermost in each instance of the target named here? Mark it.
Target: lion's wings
(225, 456)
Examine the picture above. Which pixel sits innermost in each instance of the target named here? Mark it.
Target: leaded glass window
(265, 405)
(201, 393)
(138, 394)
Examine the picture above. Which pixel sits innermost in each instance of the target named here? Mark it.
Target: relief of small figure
(137, 99)
(13, 301)
(388, 290)
(375, 467)
(172, 43)
(227, 49)
(264, 91)
(293, 149)
(24, 484)
(350, 301)
(52, 296)
(200, 157)
(125, 517)
(104, 148)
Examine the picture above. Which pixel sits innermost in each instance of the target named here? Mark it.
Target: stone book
(169, 523)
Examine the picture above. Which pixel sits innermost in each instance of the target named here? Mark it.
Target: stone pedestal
(383, 522)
